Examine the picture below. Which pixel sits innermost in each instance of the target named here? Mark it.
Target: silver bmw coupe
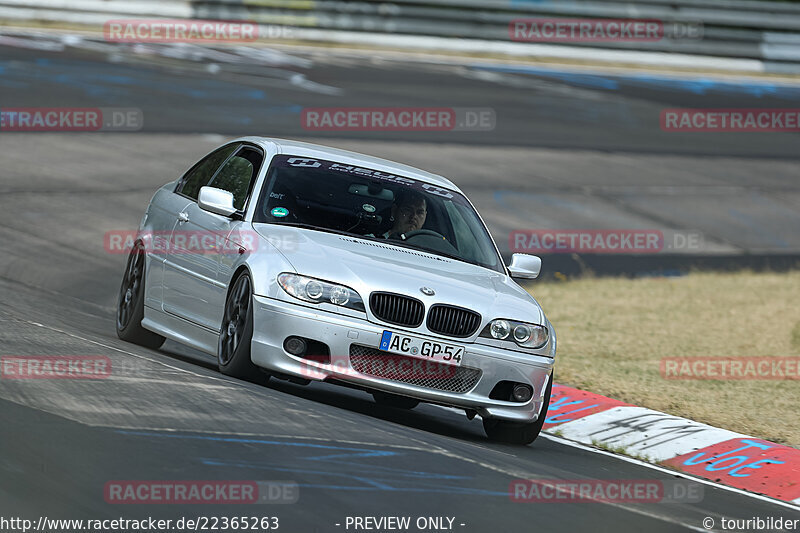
(304, 262)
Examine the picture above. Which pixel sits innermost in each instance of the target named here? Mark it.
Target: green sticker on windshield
(279, 212)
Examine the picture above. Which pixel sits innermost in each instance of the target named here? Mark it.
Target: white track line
(670, 471)
(639, 462)
(545, 435)
(74, 336)
(677, 473)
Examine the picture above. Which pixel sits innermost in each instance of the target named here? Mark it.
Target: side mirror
(524, 266)
(216, 201)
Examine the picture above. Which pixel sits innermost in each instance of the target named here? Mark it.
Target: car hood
(368, 266)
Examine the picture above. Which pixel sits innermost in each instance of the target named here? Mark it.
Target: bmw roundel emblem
(427, 291)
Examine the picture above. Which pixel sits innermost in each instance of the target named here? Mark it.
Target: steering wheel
(420, 232)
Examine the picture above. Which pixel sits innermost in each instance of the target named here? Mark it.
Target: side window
(237, 174)
(202, 172)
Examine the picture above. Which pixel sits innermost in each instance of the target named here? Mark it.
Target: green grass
(613, 332)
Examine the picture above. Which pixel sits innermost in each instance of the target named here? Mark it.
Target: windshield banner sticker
(321, 164)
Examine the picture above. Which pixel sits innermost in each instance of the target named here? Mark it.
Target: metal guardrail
(750, 29)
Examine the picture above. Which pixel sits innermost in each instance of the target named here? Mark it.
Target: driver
(408, 214)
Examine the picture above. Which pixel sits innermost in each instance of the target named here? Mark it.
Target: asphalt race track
(568, 150)
(169, 415)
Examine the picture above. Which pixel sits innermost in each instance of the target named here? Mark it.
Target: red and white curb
(722, 456)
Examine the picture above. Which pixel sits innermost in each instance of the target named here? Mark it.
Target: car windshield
(371, 204)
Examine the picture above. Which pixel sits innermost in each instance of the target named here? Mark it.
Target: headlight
(499, 329)
(339, 295)
(314, 290)
(319, 291)
(524, 335)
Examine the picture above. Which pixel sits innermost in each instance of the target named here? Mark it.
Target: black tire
(516, 433)
(236, 333)
(130, 304)
(393, 400)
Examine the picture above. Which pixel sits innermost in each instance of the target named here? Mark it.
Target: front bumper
(275, 320)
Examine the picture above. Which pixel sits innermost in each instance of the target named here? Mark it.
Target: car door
(183, 197)
(162, 218)
(193, 288)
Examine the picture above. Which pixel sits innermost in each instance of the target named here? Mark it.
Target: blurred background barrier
(762, 31)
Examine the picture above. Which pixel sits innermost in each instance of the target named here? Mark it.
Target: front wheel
(130, 304)
(233, 348)
(515, 432)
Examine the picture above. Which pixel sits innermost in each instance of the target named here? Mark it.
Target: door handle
(183, 217)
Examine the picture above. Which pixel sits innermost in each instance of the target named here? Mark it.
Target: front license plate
(449, 354)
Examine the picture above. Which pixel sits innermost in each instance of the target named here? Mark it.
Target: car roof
(290, 147)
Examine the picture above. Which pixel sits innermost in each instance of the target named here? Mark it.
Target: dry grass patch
(613, 333)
